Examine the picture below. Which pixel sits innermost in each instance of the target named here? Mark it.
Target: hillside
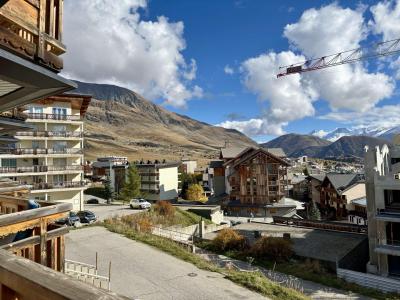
(296, 145)
(121, 122)
(293, 144)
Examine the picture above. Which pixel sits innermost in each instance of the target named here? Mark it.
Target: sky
(216, 60)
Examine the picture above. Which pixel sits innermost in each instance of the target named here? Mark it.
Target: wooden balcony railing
(58, 117)
(64, 134)
(58, 185)
(39, 169)
(33, 30)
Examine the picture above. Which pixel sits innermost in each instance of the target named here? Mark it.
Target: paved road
(142, 272)
(104, 211)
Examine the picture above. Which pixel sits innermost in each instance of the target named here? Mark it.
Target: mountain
(295, 143)
(122, 122)
(386, 133)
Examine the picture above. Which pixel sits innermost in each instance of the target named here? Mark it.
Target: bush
(144, 225)
(276, 248)
(164, 208)
(229, 239)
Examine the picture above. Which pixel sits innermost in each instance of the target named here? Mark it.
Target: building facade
(337, 193)
(188, 166)
(256, 177)
(112, 168)
(50, 157)
(159, 180)
(382, 170)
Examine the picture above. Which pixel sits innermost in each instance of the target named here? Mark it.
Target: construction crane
(377, 50)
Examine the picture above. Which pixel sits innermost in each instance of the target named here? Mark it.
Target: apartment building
(49, 158)
(382, 170)
(159, 180)
(112, 168)
(338, 191)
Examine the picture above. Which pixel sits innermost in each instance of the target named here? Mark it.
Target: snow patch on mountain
(374, 131)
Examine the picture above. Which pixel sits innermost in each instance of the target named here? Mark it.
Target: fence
(381, 283)
(88, 273)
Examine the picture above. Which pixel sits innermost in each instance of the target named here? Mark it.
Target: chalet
(337, 193)
(255, 176)
(314, 187)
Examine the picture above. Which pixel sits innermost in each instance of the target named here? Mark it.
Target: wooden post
(42, 28)
(43, 242)
(61, 253)
(60, 19)
(51, 19)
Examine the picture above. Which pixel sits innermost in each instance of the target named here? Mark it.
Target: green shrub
(228, 239)
(276, 248)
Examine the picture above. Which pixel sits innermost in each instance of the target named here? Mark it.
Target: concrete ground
(104, 211)
(142, 272)
(318, 244)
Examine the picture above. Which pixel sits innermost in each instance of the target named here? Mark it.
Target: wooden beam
(43, 242)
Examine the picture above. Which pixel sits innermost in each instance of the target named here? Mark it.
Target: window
(59, 111)
(35, 145)
(36, 109)
(9, 162)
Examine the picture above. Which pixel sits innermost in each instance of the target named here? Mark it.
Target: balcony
(39, 169)
(58, 185)
(388, 247)
(56, 117)
(50, 134)
(32, 254)
(33, 30)
(40, 151)
(388, 215)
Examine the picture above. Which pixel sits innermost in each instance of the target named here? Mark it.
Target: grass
(187, 218)
(253, 281)
(312, 271)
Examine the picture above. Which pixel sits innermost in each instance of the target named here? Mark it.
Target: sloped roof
(248, 155)
(360, 201)
(276, 151)
(319, 177)
(232, 152)
(341, 181)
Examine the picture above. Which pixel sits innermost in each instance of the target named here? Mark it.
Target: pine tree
(131, 187)
(108, 191)
(314, 213)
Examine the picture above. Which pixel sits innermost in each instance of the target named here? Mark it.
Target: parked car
(234, 223)
(93, 201)
(70, 220)
(139, 203)
(86, 216)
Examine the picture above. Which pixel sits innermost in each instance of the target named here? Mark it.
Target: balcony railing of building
(32, 254)
(58, 117)
(33, 30)
(39, 151)
(57, 185)
(64, 134)
(40, 169)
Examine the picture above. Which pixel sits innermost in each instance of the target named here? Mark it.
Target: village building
(337, 193)
(298, 187)
(382, 169)
(314, 187)
(112, 168)
(49, 158)
(188, 166)
(158, 180)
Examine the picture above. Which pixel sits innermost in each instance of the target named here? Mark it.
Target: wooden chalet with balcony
(255, 177)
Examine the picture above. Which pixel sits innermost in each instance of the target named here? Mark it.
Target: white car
(139, 203)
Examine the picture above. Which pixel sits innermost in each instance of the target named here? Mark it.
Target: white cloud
(229, 70)
(318, 32)
(386, 116)
(254, 127)
(386, 21)
(108, 42)
(327, 30)
(320, 133)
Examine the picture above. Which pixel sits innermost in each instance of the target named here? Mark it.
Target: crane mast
(377, 50)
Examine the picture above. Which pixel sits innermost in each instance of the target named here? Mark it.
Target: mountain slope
(295, 143)
(121, 122)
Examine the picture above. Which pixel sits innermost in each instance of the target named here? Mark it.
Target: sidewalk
(314, 290)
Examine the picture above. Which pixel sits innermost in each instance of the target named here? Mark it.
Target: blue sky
(214, 55)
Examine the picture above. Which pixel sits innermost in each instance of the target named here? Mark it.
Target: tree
(305, 172)
(108, 191)
(185, 181)
(314, 213)
(196, 192)
(131, 188)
